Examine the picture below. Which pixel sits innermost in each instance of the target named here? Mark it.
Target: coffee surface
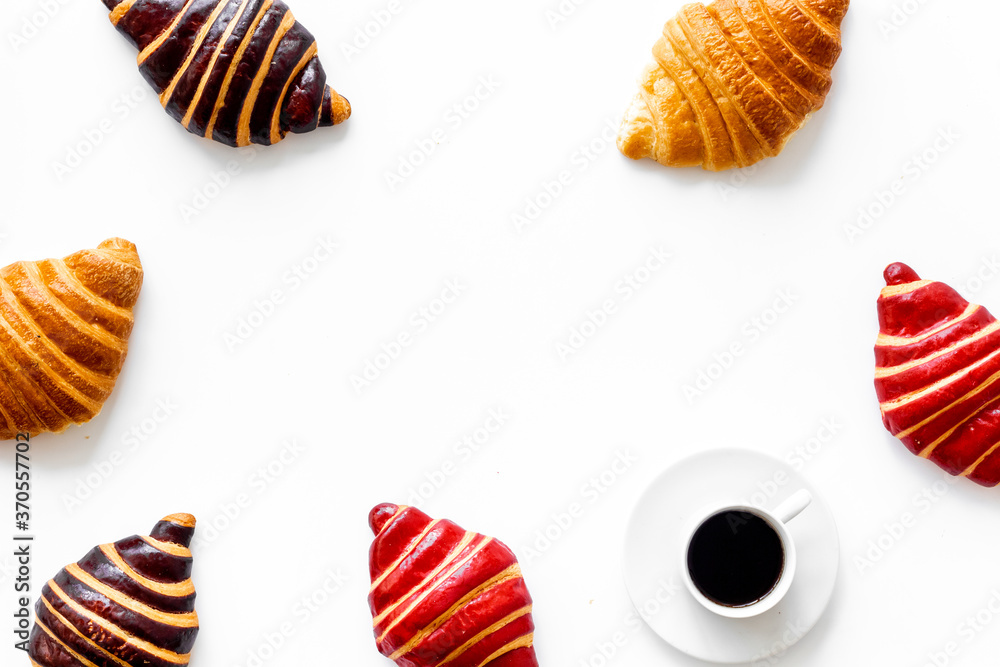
(735, 558)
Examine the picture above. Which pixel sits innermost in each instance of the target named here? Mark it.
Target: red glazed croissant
(441, 595)
(64, 330)
(937, 375)
(237, 71)
(128, 604)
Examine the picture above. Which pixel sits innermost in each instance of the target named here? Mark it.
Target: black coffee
(735, 558)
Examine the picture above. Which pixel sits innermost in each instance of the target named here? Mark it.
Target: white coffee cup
(777, 519)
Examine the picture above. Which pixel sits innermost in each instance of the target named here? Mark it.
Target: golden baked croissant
(127, 604)
(732, 81)
(64, 329)
(237, 71)
(442, 595)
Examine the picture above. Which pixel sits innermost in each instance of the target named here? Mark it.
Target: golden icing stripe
(167, 547)
(165, 35)
(512, 572)
(392, 519)
(406, 552)
(971, 469)
(889, 371)
(211, 63)
(180, 620)
(929, 449)
(906, 399)
(243, 131)
(455, 552)
(86, 640)
(244, 45)
(182, 520)
(82, 660)
(890, 291)
(141, 644)
(178, 590)
(900, 341)
(303, 61)
(524, 641)
(198, 41)
(430, 589)
(121, 10)
(937, 414)
(499, 625)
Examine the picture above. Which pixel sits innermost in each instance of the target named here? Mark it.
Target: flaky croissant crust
(732, 81)
(64, 330)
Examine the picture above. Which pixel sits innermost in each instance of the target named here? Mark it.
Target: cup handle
(792, 507)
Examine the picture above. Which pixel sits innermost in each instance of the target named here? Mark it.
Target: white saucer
(653, 556)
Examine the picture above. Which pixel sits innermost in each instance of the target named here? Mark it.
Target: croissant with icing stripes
(937, 375)
(64, 330)
(127, 604)
(441, 595)
(732, 81)
(237, 71)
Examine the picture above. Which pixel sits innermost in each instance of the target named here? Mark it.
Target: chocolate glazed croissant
(127, 604)
(732, 81)
(64, 329)
(237, 71)
(441, 595)
(937, 375)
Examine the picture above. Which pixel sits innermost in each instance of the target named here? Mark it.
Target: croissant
(937, 375)
(237, 71)
(441, 595)
(64, 329)
(126, 604)
(732, 81)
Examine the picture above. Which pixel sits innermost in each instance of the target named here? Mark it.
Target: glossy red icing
(938, 375)
(899, 273)
(442, 595)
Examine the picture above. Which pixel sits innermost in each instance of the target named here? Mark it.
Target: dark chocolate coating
(131, 602)
(237, 71)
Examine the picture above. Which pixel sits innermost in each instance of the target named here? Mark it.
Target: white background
(733, 249)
